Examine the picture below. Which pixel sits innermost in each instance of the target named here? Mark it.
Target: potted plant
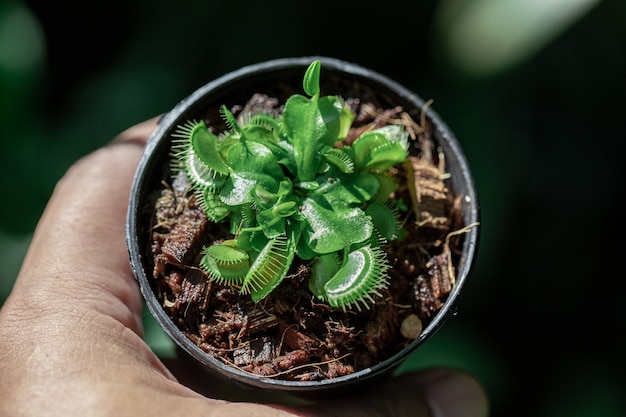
(302, 224)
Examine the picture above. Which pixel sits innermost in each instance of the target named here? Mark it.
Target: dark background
(541, 323)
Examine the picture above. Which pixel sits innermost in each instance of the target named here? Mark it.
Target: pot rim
(443, 137)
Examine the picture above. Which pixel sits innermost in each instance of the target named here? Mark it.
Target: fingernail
(454, 394)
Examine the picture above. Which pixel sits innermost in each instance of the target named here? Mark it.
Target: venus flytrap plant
(380, 232)
(290, 187)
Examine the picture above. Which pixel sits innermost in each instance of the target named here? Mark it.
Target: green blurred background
(534, 91)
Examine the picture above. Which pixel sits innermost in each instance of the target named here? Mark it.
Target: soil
(290, 335)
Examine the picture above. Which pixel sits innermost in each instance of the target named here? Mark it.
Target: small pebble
(411, 327)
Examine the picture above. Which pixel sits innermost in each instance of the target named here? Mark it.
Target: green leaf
(385, 156)
(225, 263)
(212, 205)
(379, 149)
(362, 276)
(285, 209)
(230, 119)
(387, 186)
(199, 174)
(309, 125)
(385, 220)
(250, 156)
(272, 221)
(252, 164)
(340, 159)
(311, 80)
(271, 225)
(269, 268)
(258, 134)
(323, 269)
(204, 146)
(285, 188)
(345, 122)
(395, 133)
(330, 228)
(238, 188)
(262, 197)
(347, 190)
(360, 188)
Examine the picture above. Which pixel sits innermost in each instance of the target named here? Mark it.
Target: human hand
(71, 332)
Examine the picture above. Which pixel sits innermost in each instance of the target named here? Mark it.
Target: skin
(71, 332)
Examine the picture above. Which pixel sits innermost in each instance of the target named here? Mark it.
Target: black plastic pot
(271, 77)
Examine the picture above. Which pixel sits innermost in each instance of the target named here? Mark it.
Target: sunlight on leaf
(483, 37)
(22, 41)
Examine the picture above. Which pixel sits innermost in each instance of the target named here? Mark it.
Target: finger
(432, 393)
(137, 134)
(78, 251)
(451, 393)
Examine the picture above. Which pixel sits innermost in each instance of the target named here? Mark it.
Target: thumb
(430, 393)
